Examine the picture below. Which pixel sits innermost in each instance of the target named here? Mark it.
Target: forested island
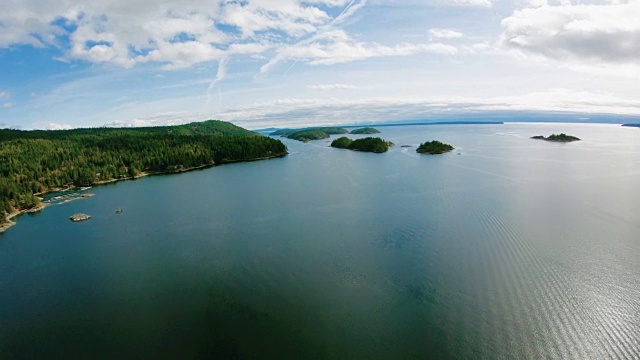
(434, 147)
(368, 144)
(309, 134)
(562, 137)
(632, 125)
(36, 162)
(366, 131)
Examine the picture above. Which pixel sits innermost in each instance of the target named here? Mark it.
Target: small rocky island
(308, 134)
(368, 144)
(434, 147)
(562, 137)
(366, 131)
(79, 217)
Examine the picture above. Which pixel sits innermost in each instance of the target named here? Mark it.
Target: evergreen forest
(34, 162)
(562, 137)
(434, 147)
(309, 134)
(366, 130)
(368, 144)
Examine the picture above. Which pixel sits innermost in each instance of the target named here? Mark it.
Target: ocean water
(505, 248)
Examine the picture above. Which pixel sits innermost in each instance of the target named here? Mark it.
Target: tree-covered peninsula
(309, 134)
(434, 147)
(562, 137)
(369, 144)
(33, 162)
(365, 131)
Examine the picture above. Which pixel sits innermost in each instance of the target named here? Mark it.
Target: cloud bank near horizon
(295, 112)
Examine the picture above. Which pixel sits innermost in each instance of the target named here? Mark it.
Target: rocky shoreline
(79, 217)
(7, 223)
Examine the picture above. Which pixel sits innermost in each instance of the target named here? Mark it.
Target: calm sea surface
(505, 248)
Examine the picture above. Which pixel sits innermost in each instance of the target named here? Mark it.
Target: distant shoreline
(352, 126)
(461, 122)
(7, 223)
(429, 123)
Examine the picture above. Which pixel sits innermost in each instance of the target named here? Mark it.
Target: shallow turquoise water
(504, 248)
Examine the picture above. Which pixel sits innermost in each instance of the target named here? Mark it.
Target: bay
(506, 247)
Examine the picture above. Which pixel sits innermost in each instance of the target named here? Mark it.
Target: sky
(292, 63)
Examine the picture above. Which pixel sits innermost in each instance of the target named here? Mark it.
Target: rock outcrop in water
(79, 217)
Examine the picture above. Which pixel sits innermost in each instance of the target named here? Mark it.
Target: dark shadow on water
(223, 327)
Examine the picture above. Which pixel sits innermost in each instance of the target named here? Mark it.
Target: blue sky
(281, 63)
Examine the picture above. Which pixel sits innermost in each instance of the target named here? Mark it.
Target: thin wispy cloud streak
(220, 75)
(283, 52)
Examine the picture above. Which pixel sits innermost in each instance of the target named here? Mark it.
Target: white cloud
(300, 112)
(560, 99)
(9, 104)
(329, 2)
(56, 126)
(179, 34)
(4, 94)
(480, 3)
(220, 75)
(326, 87)
(162, 119)
(336, 47)
(310, 112)
(606, 33)
(343, 52)
(431, 3)
(288, 16)
(436, 34)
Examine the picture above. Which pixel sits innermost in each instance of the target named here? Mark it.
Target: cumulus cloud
(605, 33)
(181, 34)
(126, 33)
